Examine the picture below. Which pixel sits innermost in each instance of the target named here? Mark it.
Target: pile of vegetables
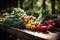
(43, 21)
(13, 19)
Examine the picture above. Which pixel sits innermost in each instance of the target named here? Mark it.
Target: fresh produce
(18, 10)
(33, 27)
(32, 17)
(57, 24)
(13, 19)
(28, 26)
(27, 20)
(30, 12)
(30, 23)
(41, 27)
(41, 17)
(50, 27)
(33, 13)
(22, 24)
(47, 25)
(38, 19)
(51, 23)
(31, 20)
(38, 26)
(22, 17)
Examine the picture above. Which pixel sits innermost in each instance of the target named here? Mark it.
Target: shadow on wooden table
(6, 36)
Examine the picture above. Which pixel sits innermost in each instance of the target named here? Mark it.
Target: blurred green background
(53, 6)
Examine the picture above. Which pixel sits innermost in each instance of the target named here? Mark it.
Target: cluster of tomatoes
(47, 25)
(40, 27)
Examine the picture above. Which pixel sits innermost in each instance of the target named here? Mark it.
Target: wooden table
(23, 34)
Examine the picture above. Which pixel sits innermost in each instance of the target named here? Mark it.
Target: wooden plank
(30, 35)
(20, 34)
(48, 36)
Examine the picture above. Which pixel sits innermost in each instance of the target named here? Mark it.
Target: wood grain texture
(24, 34)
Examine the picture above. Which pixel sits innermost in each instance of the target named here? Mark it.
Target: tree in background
(44, 4)
(53, 6)
(57, 6)
(31, 4)
(21, 4)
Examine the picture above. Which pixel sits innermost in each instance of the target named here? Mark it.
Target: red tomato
(50, 27)
(38, 26)
(43, 28)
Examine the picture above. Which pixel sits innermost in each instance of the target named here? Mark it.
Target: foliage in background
(37, 5)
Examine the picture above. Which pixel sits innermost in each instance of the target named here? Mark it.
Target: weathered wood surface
(24, 34)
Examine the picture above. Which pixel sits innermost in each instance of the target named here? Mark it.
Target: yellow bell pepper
(31, 22)
(28, 26)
